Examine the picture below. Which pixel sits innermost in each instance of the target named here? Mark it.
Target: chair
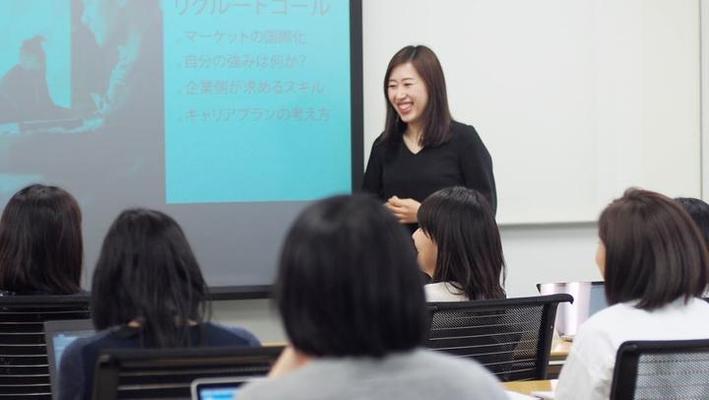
(510, 337)
(670, 369)
(168, 373)
(24, 369)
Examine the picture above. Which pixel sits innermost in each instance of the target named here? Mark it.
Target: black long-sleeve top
(462, 161)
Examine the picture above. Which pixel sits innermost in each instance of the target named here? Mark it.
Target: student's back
(654, 263)
(147, 291)
(416, 375)
(350, 296)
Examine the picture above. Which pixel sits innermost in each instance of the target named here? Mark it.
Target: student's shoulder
(612, 315)
(89, 343)
(600, 330)
(446, 364)
(219, 335)
(307, 382)
(461, 375)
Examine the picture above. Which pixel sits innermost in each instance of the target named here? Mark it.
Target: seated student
(41, 248)
(147, 291)
(655, 265)
(699, 211)
(459, 246)
(349, 293)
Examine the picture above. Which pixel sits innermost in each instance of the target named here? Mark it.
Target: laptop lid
(58, 335)
(218, 388)
(589, 298)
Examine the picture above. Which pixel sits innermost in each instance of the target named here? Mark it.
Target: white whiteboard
(575, 99)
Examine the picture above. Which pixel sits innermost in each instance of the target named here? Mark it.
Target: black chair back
(674, 369)
(24, 369)
(510, 337)
(168, 373)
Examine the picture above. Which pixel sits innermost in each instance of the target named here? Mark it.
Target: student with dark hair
(654, 262)
(699, 211)
(41, 249)
(459, 246)
(349, 293)
(147, 291)
(422, 149)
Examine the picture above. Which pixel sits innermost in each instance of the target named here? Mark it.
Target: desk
(527, 387)
(559, 351)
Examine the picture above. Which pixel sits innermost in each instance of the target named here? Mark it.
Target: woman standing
(422, 149)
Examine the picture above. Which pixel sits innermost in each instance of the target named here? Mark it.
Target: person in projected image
(24, 93)
(127, 33)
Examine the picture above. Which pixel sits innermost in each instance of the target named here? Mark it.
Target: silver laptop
(589, 298)
(59, 335)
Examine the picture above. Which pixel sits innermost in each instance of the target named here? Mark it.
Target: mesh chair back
(24, 369)
(676, 369)
(510, 337)
(168, 373)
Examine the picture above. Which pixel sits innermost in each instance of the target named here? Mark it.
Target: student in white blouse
(654, 262)
(459, 246)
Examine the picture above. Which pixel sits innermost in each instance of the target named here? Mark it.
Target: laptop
(218, 388)
(59, 335)
(589, 298)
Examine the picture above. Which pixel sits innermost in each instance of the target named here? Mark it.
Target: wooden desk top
(559, 349)
(527, 387)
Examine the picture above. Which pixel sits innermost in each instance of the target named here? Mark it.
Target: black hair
(437, 116)
(348, 283)
(699, 211)
(41, 247)
(461, 223)
(147, 273)
(654, 252)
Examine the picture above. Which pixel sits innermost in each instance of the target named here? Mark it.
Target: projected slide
(253, 97)
(229, 115)
(257, 100)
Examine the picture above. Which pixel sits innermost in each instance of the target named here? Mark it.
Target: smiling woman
(422, 149)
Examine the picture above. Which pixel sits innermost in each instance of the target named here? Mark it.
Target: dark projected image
(24, 91)
(229, 116)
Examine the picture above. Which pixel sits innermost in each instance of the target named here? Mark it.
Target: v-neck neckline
(408, 149)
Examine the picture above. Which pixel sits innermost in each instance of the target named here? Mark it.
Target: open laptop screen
(218, 388)
(59, 335)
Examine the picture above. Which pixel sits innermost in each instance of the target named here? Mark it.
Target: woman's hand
(289, 360)
(403, 209)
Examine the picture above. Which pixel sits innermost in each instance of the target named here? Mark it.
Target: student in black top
(147, 291)
(422, 149)
(41, 248)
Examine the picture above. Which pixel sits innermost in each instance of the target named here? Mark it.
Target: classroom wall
(575, 99)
